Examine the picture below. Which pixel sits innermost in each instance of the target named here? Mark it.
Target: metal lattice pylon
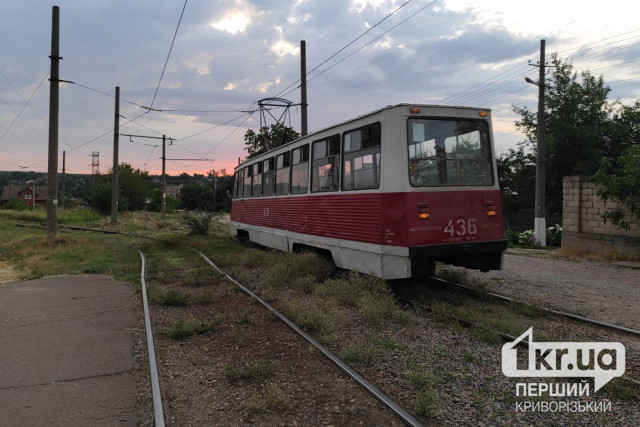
(95, 166)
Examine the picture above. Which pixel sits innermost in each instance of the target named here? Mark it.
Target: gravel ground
(462, 372)
(605, 291)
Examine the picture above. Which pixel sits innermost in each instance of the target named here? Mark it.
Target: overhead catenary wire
(22, 97)
(345, 47)
(168, 55)
(19, 114)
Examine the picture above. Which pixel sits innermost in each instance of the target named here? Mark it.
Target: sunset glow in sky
(228, 54)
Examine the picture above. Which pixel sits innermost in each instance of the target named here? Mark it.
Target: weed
(441, 311)
(244, 316)
(468, 356)
(185, 328)
(271, 316)
(486, 335)
(249, 370)
(623, 390)
(426, 403)
(270, 398)
(171, 298)
(358, 355)
(453, 275)
(525, 309)
(305, 284)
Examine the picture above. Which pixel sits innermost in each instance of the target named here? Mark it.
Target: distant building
(30, 194)
(174, 190)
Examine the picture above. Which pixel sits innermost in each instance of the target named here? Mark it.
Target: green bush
(17, 205)
(199, 222)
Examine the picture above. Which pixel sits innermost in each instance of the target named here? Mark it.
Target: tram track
(567, 315)
(477, 349)
(469, 290)
(158, 410)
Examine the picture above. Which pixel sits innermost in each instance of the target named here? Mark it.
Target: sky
(228, 54)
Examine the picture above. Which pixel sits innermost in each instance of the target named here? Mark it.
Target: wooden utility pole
(303, 87)
(164, 178)
(114, 179)
(52, 175)
(63, 196)
(540, 226)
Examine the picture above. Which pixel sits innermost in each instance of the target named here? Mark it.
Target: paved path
(67, 352)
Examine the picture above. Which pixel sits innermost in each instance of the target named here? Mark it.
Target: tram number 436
(461, 227)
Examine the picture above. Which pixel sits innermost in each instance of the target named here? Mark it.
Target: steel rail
(153, 367)
(394, 407)
(548, 310)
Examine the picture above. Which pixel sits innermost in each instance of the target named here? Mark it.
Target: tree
(619, 180)
(134, 187)
(579, 128)
(196, 197)
(516, 176)
(277, 135)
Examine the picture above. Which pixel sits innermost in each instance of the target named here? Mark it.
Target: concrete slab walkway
(67, 352)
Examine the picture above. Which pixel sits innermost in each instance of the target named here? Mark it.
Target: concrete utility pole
(63, 195)
(164, 178)
(114, 180)
(52, 175)
(540, 225)
(303, 87)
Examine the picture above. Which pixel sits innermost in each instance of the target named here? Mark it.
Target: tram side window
(256, 187)
(235, 185)
(361, 158)
(300, 170)
(326, 164)
(268, 178)
(246, 191)
(283, 166)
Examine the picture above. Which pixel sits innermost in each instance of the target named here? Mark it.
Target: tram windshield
(449, 152)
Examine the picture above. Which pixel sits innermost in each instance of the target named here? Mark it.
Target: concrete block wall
(582, 211)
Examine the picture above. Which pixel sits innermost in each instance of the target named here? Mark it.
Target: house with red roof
(32, 195)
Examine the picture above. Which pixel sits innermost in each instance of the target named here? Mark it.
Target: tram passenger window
(283, 166)
(361, 158)
(268, 178)
(256, 187)
(449, 152)
(325, 164)
(235, 185)
(300, 170)
(246, 191)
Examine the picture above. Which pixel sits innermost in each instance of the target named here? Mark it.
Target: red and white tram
(388, 193)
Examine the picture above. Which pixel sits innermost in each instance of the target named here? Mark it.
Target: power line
(169, 55)
(225, 138)
(485, 88)
(362, 47)
(144, 107)
(247, 115)
(22, 97)
(599, 41)
(18, 114)
(345, 47)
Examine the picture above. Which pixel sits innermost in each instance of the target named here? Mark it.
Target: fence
(582, 223)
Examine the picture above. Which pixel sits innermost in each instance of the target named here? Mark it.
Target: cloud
(234, 21)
